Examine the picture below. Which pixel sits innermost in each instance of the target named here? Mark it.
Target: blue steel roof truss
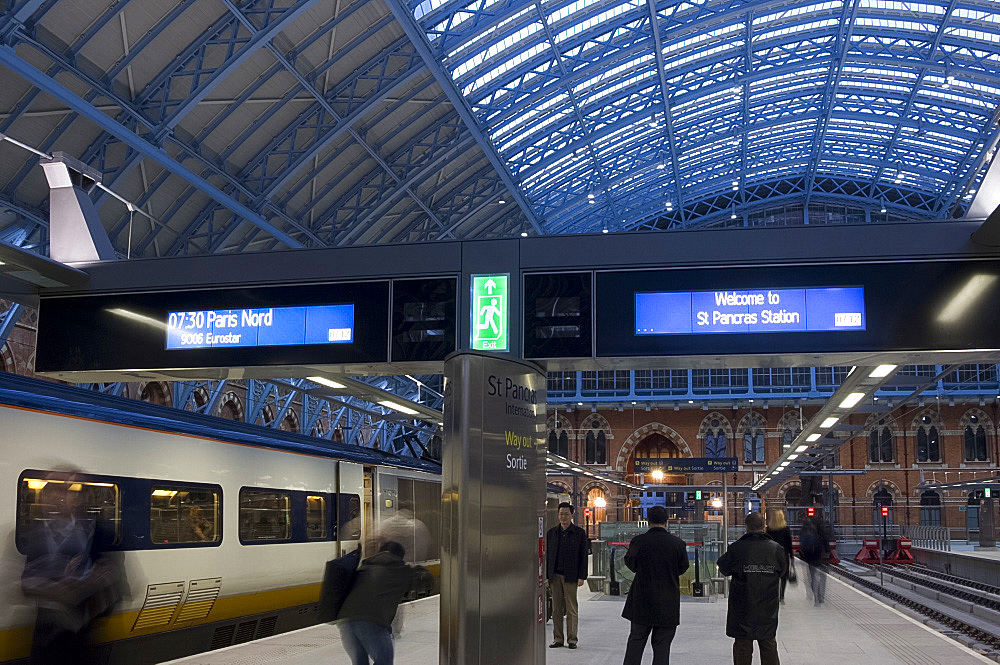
(890, 63)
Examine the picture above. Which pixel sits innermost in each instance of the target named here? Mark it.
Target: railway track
(983, 635)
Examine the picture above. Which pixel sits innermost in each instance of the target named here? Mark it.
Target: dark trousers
(817, 582)
(743, 652)
(364, 639)
(662, 637)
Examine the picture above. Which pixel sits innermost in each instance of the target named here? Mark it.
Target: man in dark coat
(814, 543)
(370, 607)
(653, 605)
(566, 548)
(757, 565)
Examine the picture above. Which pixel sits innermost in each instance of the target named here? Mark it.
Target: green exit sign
(490, 308)
(697, 495)
(986, 492)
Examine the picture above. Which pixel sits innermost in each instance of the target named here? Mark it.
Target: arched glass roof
(244, 125)
(635, 113)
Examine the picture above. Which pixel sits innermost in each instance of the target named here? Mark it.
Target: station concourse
(283, 279)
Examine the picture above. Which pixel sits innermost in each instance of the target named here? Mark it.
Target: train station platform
(850, 629)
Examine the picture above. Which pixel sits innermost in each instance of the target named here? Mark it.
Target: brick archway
(636, 437)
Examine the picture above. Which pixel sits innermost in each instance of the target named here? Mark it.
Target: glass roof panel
(889, 95)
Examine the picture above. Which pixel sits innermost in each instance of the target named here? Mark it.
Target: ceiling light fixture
(389, 404)
(851, 400)
(829, 422)
(881, 371)
(326, 382)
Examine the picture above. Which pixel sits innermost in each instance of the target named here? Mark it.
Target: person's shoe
(572, 646)
(555, 645)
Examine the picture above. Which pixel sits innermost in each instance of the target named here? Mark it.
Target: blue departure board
(267, 326)
(750, 311)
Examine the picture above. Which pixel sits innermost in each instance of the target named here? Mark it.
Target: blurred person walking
(814, 544)
(757, 565)
(779, 532)
(658, 558)
(65, 573)
(566, 548)
(370, 607)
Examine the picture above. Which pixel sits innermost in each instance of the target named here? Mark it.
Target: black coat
(379, 585)
(757, 565)
(657, 558)
(783, 537)
(575, 562)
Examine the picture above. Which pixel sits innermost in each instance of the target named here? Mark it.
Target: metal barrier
(929, 537)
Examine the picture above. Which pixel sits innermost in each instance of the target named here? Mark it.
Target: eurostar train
(221, 529)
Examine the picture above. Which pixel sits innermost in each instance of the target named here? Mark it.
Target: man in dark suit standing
(757, 565)
(566, 546)
(657, 558)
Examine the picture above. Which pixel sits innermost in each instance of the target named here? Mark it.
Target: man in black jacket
(757, 565)
(657, 558)
(371, 605)
(566, 546)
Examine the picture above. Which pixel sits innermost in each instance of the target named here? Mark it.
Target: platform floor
(850, 629)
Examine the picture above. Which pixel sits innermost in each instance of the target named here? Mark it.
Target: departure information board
(270, 326)
(750, 311)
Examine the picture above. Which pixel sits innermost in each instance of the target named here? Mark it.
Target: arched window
(928, 447)
(975, 441)
(559, 439)
(156, 392)
(753, 443)
(596, 444)
(230, 411)
(715, 440)
(880, 444)
(930, 508)
(597, 502)
(788, 436)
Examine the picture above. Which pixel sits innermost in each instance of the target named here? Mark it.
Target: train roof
(47, 396)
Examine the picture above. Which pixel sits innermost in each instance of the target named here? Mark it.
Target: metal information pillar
(493, 507)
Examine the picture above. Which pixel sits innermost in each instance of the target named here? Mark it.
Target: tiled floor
(851, 629)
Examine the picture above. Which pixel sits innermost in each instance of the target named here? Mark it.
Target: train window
(349, 517)
(47, 496)
(184, 515)
(265, 515)
(315, 517)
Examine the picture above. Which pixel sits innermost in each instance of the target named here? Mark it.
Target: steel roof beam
(654, 26)
(416, 35)
(52, 87)
(925, 67)
(834, 77)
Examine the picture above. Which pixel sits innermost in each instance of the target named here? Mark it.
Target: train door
(350, 513)
(368, 502)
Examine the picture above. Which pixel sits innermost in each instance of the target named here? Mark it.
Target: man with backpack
(814, 544)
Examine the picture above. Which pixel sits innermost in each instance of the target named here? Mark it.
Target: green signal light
(697, 495)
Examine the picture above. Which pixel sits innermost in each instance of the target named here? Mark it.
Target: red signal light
(885, 511)
(811, 512)
(586, 512)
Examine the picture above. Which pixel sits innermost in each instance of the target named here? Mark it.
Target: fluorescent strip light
(966, 296)
(326, 382)
(802, 449)
(811, 437)
(794, 456)
(829, 422)
(851, 400)
(398, 407)
(881, 371)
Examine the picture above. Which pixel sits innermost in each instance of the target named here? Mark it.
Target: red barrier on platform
(902, 552)
(834, 559)
(868, 552)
